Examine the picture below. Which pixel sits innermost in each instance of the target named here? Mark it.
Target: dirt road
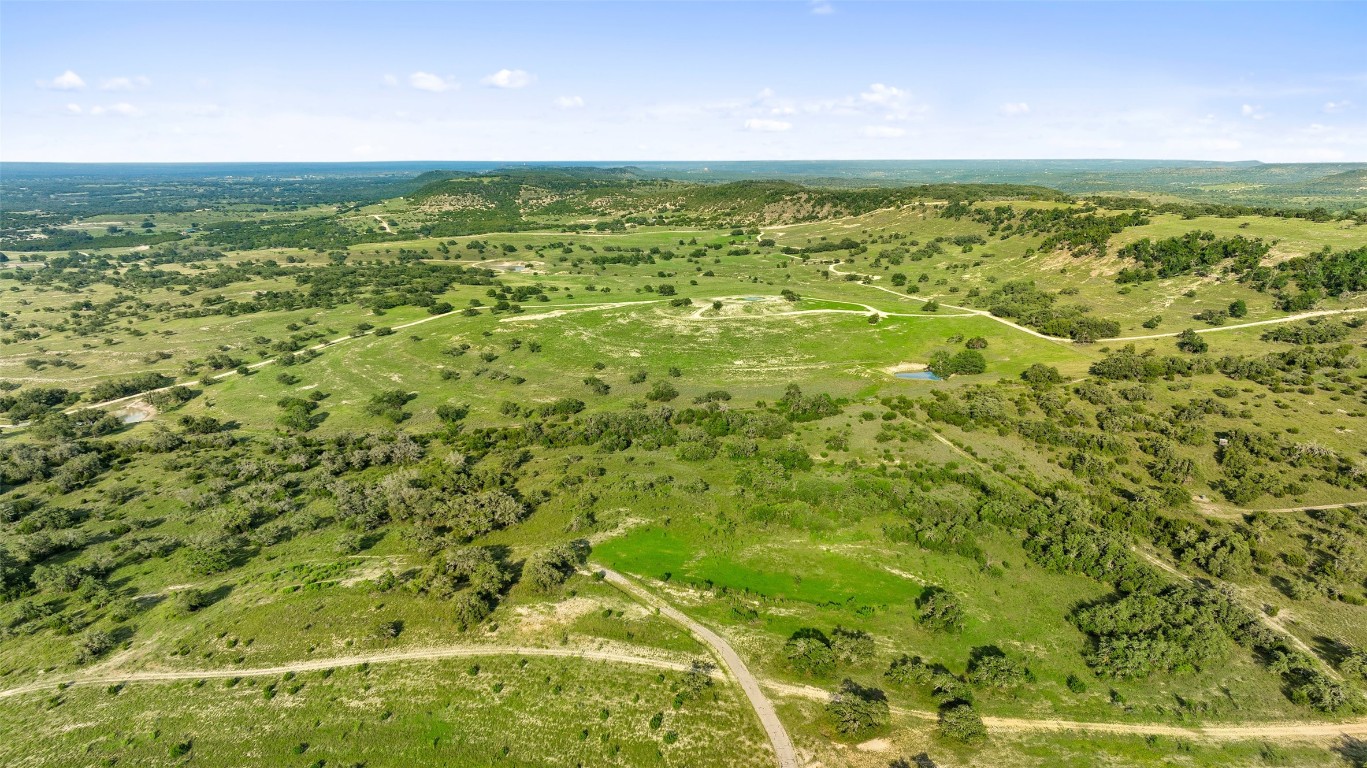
(320, 346)
(1037, 334)
(784, 751)
(314, 665)
(1273, 321)
(1281, 731)
(1268, 621)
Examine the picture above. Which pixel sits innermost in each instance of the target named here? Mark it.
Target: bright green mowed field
(855, 578)
(548, 712)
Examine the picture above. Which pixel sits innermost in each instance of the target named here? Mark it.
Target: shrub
(855, 709)
(1041, 376)
(190, 600)
(989, 667)
(662, 392)
(1190, 341)
(809, 652)
(389, 404)
(939, 610)
(961, 722)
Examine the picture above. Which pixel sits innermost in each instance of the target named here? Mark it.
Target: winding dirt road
(1280, 731)
(1060, 339)
(314, 665)
(322, 345)
(1214, 509)
(1273, 321)
(967, 310)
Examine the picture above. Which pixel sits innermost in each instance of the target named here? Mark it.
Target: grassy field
(628, 392)
(478, 711)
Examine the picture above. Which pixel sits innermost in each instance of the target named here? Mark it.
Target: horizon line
(697, 160)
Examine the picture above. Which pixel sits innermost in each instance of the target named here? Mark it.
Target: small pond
(917, 375)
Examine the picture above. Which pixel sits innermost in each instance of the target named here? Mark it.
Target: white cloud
(1012, 109)
(124, 83)
(1252, 112)
(1337, 106)
(822, 8)
(761, 125)
(570, 102)
(390, 81)
(510, 78)
(883, 131)
(67, 81)
(74, 109)
(121, 109)
(426, 81)
(896, 103)
(879, 93)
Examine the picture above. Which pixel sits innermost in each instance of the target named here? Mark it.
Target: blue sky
(317, 81)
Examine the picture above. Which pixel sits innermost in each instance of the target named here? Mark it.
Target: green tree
(961, 722)
(856, 710)
(939, 610)
(1191, 341)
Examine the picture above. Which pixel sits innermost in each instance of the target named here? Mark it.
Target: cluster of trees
(58, 239)
(378, 285)
(32, 402)
(1021, 300)
(1128, 364)
(471, 579)
(1174, 629)
(798, 407)
(809, 651)
(1080, 230)
(127, 386)
(1150, 627)
(958, 718)
(1313, 331)
(389, 404)
(1195, 252)
(547, 570)
(966, 361)
(1324, 273)
(1223, 210)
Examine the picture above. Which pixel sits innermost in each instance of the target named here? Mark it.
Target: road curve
(784, 751)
